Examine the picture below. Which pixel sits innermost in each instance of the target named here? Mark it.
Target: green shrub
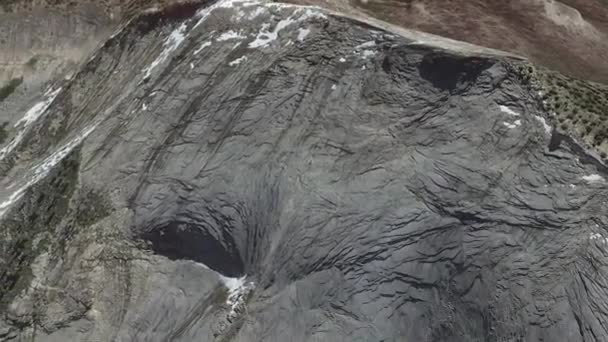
(32, 61)
(3, 133)
(10, 88)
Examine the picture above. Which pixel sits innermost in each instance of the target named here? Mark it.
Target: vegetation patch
(9, 88)
(3, 132)
(92, 206)
(31, 63)
(577, 107)
(39, 212)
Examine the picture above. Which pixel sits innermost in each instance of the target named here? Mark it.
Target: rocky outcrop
(251, 171)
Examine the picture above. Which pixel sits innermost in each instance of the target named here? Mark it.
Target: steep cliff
(251, 171)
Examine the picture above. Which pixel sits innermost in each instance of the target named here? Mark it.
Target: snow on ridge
(594, 178)
(204, 13)
(42, 170)
(171, 44)
(265, 37)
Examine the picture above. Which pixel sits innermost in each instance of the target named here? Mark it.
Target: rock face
(267, 172)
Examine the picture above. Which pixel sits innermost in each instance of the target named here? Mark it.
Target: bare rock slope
(250, 171)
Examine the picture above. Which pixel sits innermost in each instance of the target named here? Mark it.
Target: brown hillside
(570, 36)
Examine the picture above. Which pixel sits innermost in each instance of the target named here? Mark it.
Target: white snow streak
(204, 45)
(42, 169)
(238, 61)
(508, 110)
(515, 124)
(34, 113)
(544, 123)
(171, 44)
(228, 35)
(594, 178)
(365, 45)
(30, 117)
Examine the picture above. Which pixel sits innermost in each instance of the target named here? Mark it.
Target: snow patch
(508, 110)
(368, 53)
(366, 45)
(238, 61)
(342, 59)
(42, 169)
(265, 37)
(34, 113)
(204, 45)
(31, 116)
(256, 12)
(228, 35)
(509, 125)
(594, 178)
(238, 289)
(303, 33)
(544, 123)
(600, 237)
(204, 13)
(334, 87)
(171, 44)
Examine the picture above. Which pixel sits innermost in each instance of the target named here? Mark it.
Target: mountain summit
(258, 171)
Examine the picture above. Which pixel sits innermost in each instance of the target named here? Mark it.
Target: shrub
(10, 88)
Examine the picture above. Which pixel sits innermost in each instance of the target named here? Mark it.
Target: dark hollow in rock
(446, 72)
(181, 240)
